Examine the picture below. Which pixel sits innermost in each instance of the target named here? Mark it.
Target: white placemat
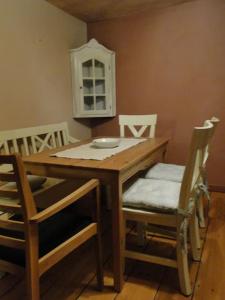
(88, 151)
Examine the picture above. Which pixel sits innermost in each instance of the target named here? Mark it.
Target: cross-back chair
(144, 122)
(138, 125)
(163, 171)
(33, 240)
(171, 204)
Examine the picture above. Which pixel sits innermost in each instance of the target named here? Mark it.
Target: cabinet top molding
(93, 44)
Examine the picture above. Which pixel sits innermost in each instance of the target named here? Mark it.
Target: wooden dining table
(113, 171)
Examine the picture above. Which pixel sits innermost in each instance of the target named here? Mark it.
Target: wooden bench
(31, 140)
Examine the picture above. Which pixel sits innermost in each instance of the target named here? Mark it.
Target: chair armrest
(72, 139)
(66, 201)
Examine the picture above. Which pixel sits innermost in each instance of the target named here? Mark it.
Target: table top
(118, 162)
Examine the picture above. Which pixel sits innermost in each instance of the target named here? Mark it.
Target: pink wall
(171, 62)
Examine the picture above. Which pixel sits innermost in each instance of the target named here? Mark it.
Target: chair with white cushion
(144, 122)
(170, 204)
(172, 172)
(138, 125)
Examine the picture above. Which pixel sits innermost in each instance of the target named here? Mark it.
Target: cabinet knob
(81, 87)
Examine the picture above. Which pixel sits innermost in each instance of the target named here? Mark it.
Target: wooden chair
(163, 171)
(145, 122)
(138, 125)
(34, 241)
(171, 204)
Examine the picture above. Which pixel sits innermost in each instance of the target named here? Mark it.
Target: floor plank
(211, 278)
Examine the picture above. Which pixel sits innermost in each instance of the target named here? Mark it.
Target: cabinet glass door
(94, 85)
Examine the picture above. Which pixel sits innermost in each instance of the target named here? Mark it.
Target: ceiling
(98, 10)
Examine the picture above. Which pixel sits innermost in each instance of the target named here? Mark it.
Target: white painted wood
(184, 216)
(93, 81)
(34, 139)
(204, 157)
(145, 122)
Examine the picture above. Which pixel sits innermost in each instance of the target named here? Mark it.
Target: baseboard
(217, 188)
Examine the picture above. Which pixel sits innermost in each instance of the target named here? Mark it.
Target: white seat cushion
(153, 195)
(166, 172)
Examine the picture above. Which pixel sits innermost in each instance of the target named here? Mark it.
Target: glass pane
(87, 68)
(88, 86)
(100, 86)
(100, 103)
(88, 103)
(99, 69)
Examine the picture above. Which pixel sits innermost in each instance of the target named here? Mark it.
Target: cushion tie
(186, 213)
(204, 188)
(183, 234)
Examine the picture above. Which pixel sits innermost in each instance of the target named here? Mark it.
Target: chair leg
(200, 209)
(195, 238)
(99, 262)
(32, 267)
(123, 243)
(33, 284)
(182, 264)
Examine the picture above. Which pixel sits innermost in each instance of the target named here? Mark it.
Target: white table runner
(88, 151)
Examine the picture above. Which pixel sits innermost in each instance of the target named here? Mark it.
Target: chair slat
(45, 143)
(33, 143)
(16, 208)
(25, 143)
(12, 242)
(11, 224)
(65, 137)
(8, 193)
(6, 147)
(7, 177)
(15, 145)
(53, 140)
(59, 139)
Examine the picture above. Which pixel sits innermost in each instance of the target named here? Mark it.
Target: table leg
(117, 231)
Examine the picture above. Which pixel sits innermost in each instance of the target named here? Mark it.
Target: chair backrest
(17, 200)
(31, 140)
(199, 143)
(144, 122)
(215, 121)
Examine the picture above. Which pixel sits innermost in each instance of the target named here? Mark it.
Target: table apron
(142, 165)
(104, 176)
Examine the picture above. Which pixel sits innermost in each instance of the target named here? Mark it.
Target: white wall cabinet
(93, 81)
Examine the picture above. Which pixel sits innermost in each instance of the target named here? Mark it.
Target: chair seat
(35, 182)
(166, 172)
(153, 195)
(52, 233)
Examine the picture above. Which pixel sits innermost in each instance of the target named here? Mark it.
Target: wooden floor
(74, 277)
